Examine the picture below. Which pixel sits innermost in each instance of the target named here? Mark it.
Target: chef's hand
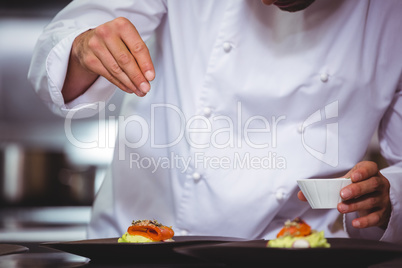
(113, 50)
(368, 195)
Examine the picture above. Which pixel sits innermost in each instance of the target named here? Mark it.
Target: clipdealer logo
(237, 130)
(325, 117)
(234, 132)
(328, 116)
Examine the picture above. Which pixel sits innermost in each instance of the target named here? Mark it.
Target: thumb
(301, 196)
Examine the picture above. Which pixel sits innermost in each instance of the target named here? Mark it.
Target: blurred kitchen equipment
(47, 184)
(32, 176)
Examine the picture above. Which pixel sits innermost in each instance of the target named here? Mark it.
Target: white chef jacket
(247, 99)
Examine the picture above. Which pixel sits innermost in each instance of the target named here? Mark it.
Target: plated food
(144, 231)
(298, 234)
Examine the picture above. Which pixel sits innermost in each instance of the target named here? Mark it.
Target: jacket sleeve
(390, 137)
(50, 59)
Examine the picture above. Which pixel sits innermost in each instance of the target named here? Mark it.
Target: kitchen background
(47, 184)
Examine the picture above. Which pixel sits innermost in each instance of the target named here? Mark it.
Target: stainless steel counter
(39, 224)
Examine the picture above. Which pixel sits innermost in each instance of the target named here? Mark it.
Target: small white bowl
(323, 193)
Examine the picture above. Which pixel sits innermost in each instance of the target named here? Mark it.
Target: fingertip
(137, 92)
(346, 193)
(356, 224)
(145, 87)
(149, 75)
(301, 196)
(356, 176)
(342, 208)
(140, 94)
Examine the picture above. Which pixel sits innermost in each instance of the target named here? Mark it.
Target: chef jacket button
(300, 129)
(227, 47)
(207, 111)
(183, 232)
(196, 176)
(279, 195)
(324, 77)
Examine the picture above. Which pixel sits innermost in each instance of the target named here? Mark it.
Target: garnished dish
(143, 231)
(298, 234)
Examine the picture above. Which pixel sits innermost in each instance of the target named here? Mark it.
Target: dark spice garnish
(146, 222)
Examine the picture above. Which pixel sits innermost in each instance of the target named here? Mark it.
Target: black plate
(11, 249)
(343, 252)
(110, 250)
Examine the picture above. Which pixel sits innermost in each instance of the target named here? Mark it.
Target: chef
(229, 103)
